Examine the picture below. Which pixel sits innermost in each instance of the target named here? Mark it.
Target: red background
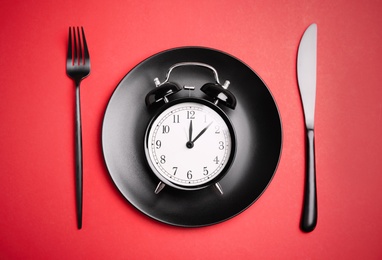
(37, 203)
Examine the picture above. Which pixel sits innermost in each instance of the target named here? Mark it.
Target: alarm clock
(189, 142)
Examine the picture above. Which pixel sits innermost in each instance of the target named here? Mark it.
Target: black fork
(78, 68)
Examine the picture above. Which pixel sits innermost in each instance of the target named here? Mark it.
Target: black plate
(256, 121)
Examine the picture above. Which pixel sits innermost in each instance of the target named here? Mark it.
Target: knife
(306, 75)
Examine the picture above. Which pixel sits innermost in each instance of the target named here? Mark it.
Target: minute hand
(201, 132)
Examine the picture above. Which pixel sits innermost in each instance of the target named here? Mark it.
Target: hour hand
(201, 132)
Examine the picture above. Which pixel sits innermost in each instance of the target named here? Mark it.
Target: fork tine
(69, 58)
(75, 57)
(86, 51)
(80, 58)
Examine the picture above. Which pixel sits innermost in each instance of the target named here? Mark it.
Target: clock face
(190, 144)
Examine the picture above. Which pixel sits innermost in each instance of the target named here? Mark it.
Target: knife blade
(306, 75)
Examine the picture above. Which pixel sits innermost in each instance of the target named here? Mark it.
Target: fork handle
(78, 154)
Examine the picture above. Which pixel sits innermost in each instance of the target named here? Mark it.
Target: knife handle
(309, 213)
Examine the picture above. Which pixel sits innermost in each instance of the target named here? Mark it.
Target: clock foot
(219, 188)
(159, 187)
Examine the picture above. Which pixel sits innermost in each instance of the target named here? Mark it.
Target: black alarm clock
(190, 142)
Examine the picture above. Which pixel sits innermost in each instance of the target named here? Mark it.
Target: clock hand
(201, 132)
(190, 143)
(190, 132)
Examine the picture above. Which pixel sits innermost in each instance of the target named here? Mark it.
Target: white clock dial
(189, 144)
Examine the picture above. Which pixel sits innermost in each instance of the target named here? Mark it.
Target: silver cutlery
(78, 68)
(306, 75)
